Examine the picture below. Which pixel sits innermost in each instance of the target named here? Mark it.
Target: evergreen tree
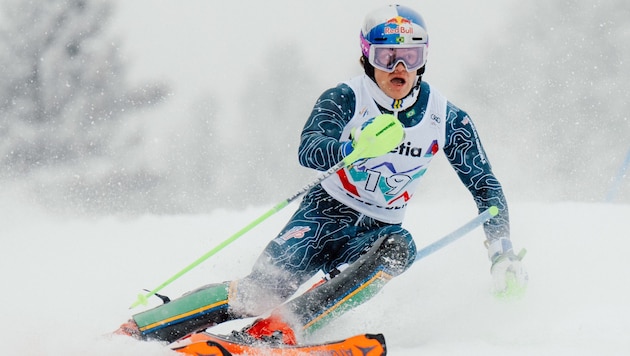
(65, 104)
(199, 174)
(555, 89)
(275, 106)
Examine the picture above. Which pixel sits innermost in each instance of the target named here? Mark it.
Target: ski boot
(272, 331)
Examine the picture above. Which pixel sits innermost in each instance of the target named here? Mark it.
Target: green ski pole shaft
(380, 137)
(142, 298)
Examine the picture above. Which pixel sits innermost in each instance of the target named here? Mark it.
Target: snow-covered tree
(65, 103)
(554, 87)
(275, 106)
(199, 174)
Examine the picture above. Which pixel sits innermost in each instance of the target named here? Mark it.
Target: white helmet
(391, 35)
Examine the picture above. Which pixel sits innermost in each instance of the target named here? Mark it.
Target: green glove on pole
(381, 136)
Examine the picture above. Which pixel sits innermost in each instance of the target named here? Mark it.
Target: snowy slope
(69, 281)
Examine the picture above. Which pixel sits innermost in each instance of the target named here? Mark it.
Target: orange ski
(205, 343)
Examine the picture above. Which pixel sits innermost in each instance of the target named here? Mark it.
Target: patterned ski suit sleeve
(321, 144)
(466, 155)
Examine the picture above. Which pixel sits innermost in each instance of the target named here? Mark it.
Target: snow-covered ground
(67, 282)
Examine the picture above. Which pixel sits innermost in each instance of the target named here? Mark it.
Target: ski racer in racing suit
(354, 218)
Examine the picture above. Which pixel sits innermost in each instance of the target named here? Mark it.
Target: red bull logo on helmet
(398, 20)
(398, 27)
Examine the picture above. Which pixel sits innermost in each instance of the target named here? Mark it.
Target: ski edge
(205, 343)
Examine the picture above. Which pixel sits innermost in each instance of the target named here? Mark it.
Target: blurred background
(164, 107)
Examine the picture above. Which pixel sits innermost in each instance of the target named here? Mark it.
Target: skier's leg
(322, 233)
(391, 254)
(211, 305)
(388, 257)
(195, 310)
(203, 308)
(311, 240)
(285, 264)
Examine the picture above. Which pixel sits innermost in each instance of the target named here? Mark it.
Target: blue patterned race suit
(324, 232)
(353, 218)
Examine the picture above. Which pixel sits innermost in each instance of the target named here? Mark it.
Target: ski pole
(438, 244)
(381, 136)
(461, 231)
(621, 173)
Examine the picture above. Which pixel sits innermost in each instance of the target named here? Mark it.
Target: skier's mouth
(398, 81)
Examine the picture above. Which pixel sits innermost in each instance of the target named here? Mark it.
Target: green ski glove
(509, 276)
(377, 137)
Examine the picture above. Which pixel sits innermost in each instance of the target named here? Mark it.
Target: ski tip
(493, 210)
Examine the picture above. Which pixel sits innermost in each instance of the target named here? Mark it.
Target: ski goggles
(387, 57)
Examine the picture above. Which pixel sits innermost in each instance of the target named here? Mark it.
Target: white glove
(508, 273)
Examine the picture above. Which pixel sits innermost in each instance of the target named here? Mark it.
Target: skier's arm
(321, 144)
(467, 156)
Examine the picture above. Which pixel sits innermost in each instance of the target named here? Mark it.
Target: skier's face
(396, 84)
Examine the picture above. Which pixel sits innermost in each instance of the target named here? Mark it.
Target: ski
(204, 343)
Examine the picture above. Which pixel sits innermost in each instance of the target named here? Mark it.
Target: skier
(353, 218)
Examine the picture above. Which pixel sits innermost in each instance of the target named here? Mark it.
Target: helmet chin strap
(367, 68)
(419, 74)
(418, 81)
